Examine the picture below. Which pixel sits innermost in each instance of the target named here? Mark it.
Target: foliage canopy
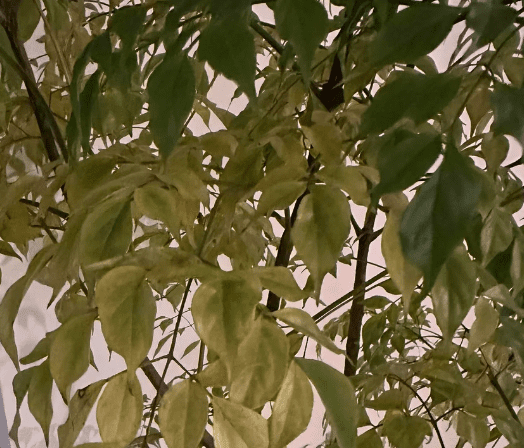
(345, 114)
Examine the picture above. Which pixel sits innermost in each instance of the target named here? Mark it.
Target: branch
(357, 308)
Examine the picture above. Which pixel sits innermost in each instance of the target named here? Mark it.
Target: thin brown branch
(357, 308)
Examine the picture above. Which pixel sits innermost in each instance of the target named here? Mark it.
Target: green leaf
(301, 321)
(173, 78)
(70, 351)
(436, 220)
(338, 397)
(403, 164)
(412, 33)
(292, 409)
(305, 24)
(473, 429)
(56, 13)
(88, 99)
(238, 426)
(39, 397)
(12, 300)
(106, 231)
(496, 234)
(454, 291)
(127, 22)
(223, 311)
(280, 280)
(508, 107)
(28, 19)
(79, 409)
(404, 431)
(260, 366)
(489, 20)
(229, 47)
(183, 415)
(127, 312)
(7, 250)
(119, 410)
(321, 228)
(40, 351)
(412, 95)
(511, 334)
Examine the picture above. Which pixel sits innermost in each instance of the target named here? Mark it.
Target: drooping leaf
(107, 231)
(21, 382)
(56, 13)
(88, 99)
(412, 33)
(70, 351)
(304, 23)
(326, 139)
(79, 408)
(223, 311)
(214, 375)
(454, 291)
(238, 426)
(403, 164)
(228, 46)
(403, 273)
(496, 234)
(280, 280)
(473, 429)
(338, 397)
(183, 415)
(28, 19)
(127, 312)
(119, 410)
(12, 300)
(486, 322)
(260, 366)
(321, 228)
(158, 203)
(301, 321)
(405, 431)
(436, 220)
(411, 95)
(508, 107)
(351, 179)
(172, 79)
(280, 196)
(292, 409)
(7, 250)
(489, 20)
(39, 397)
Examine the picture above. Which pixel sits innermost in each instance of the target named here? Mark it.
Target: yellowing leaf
(160, 204)
(338, 396)
(127, 312)
(348, 178)
(486, 322)
(238, 426)
(404, 431)
(327, 141)
(495, 150)
(107, 231)
(280, 280)
(292, 409)
(454, 291)
(478, 104)
(404, 274)
(219, 144)
(473, 429)
(260, 366)
(280, 196)
(304, 323)
(183, 415)
(223, 311)
(70, 351)
(320, 230)
(214, 375)
(79, 408)
(39, 397)
(119, 410)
